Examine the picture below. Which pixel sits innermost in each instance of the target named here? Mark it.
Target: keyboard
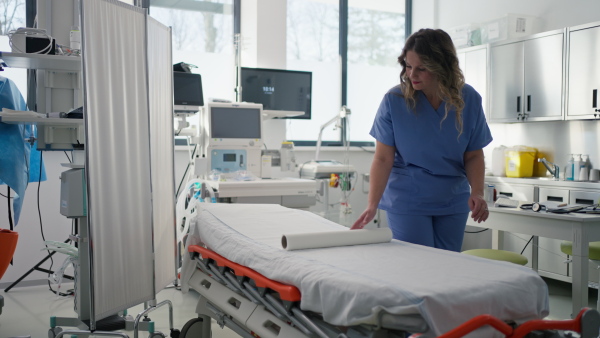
(506, 203)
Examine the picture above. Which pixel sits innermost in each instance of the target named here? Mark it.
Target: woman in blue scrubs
(428, 168)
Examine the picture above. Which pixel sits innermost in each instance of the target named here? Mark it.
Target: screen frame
(189, 105)
(231, 142)
(307, 115)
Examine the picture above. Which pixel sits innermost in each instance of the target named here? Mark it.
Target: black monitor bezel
(306, 115)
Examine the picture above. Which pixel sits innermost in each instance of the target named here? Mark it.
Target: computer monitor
(278, 90)
(230, 124)
(187, 92)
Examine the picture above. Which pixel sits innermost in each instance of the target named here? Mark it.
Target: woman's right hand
(367, 216)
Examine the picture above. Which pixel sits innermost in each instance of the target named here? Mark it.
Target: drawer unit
(584, 197)
(553, 194)
(550, 258)
(526, 193)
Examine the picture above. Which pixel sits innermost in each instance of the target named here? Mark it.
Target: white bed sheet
(354, 284)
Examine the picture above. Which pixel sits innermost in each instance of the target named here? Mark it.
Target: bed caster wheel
(53, 332)
(195, 328)
(156, 334)
(175, 333)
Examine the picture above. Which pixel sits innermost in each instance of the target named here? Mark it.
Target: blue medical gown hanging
(20, 162)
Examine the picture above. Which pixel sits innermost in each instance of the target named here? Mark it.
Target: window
(375, 37)
(312, 45)
(12, 16)
(202, 35)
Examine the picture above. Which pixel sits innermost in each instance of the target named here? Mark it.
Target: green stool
(498, 255)
(593, 253)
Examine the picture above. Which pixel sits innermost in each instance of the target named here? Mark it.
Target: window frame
(343, 52)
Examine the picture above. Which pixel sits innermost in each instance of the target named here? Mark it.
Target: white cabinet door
(584, 74)
(473, 62)
(526, 79)
(506, 82)
(543, 65)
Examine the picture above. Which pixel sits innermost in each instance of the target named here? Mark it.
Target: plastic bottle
(569, 170)
(584, 170)
(75, 38)
(576, 166)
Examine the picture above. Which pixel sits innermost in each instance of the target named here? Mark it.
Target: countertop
(543, 181)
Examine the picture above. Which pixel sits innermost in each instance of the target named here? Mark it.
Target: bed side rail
(587, 323)
(286, 292)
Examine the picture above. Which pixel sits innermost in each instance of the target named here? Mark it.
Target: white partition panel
(160, 73)
(117, 156)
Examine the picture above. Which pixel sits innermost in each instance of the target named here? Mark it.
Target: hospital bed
(247, 281)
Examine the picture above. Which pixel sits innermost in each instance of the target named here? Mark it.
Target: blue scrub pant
(442, 232)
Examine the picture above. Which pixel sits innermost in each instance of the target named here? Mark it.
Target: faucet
(554, 171)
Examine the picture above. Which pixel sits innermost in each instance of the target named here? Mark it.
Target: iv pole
(238, 66)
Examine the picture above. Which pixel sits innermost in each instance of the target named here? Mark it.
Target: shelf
(41, 61)
(49, 121)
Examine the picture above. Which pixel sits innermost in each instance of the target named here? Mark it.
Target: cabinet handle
(528, 102)
(518, 104)
(594, 98)
(584, 201)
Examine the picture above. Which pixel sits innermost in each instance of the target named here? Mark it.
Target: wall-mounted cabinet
(473, 62)
(584, 72)
(527, 78)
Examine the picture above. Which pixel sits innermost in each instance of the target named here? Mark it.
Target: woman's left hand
(479, 208)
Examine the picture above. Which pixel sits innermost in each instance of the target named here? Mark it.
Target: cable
(183, 178)
(67, 155)
(10, 219)
(40, 217)
(525, 247)
(475, 232)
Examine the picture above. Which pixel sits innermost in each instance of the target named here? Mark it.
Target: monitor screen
(278, 89)
(187, 89)
(235, 122)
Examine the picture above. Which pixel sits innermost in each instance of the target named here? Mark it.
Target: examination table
(248, 282)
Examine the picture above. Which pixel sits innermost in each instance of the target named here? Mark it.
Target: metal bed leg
(150, 309)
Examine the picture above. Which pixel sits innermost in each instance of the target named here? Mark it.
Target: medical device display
(279, 90)
(187, 92)
(232, 137)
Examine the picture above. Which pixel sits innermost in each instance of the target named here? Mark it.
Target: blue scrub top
(428, 176)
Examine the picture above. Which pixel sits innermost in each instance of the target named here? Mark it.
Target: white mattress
(354, 284)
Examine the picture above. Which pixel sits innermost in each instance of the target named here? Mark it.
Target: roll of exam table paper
(314, 240)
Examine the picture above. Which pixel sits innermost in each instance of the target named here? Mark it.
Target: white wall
(554, 14)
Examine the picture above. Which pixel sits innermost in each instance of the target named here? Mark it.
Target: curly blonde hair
(438, 55)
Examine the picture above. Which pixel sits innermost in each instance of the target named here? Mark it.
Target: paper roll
(313, 240)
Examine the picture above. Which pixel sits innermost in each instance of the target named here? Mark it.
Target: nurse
(428, 168)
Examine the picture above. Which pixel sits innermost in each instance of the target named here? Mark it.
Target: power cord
(10, 218)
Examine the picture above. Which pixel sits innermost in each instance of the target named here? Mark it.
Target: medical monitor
(231, 124)
(187, 92)
(278, 90)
